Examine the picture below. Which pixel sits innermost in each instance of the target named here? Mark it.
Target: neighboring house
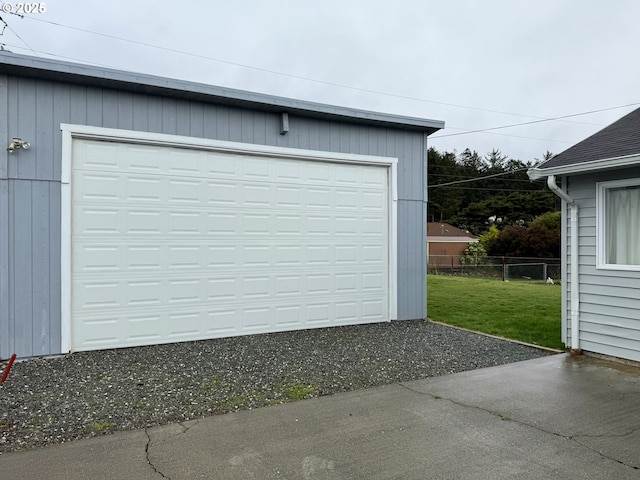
(446, 244)
(599, 182)
(150, 210)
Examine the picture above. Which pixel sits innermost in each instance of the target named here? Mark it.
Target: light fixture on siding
(18, 143)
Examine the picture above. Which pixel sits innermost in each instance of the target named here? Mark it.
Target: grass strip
(519, 310)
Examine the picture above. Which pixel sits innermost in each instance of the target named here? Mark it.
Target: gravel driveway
(85, 394)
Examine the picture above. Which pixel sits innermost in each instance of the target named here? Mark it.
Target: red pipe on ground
(7, 369)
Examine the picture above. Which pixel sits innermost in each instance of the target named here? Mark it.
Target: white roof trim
(606, 163)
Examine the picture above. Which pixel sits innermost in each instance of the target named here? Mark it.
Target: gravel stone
(59, 399)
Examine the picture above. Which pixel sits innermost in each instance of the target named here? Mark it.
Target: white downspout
(575, 297)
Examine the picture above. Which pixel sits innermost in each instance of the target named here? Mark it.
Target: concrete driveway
(548, 418)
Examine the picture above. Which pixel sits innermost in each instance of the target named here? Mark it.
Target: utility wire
(300, 77)
(478, 178)
(466, 131)
(482, 130)
(86, 62)
(498, 189)
(430, 138)
(20, 38)
(504, 180)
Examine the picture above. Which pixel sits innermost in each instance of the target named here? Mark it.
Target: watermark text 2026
(22, 8)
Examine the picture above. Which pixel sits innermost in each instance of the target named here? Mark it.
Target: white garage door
(171, 244)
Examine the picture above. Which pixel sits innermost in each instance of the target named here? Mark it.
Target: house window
(618, 216)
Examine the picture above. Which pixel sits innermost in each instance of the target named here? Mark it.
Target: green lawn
(525, 311)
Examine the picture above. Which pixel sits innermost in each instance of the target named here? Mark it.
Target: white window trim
(601, 243)
(69, 132)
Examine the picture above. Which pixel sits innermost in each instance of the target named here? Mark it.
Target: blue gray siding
(33, 109)
(609, 299)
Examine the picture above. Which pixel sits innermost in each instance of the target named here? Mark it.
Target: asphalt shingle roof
(621, 138)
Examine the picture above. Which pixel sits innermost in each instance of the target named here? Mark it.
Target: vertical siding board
(324, 135)
(403, 280)
(196, 119)
(169, 116)
(223, 122)
(260, 120)
(95, 106)
(183, 119)
(5, 343)
(12, 264)
(363, 140)
(345, 138)
(416, 168)
(314, 134)
(55, 298)
(22, 278)
(12, 118)
(334, 138)
(125, 110)
(413, 268)
(300, 135)
(140, 113)
(423, 262)
(381, 139)
(42, 141)
(4, 123)
(154, 115)
(40, 261)
(61, 114)
(110, 108)
(413, 170)
(77, 104)
(235, 125)
(210, 121)
(246, 126)
(26, 167)
(372, 140)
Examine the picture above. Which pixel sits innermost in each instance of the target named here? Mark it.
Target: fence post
(503, 269)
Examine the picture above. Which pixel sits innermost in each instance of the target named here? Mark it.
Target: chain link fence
(503, 268)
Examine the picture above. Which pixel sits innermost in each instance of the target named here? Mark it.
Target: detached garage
(151, 211)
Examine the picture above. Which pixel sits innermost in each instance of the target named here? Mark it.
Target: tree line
(492, 196)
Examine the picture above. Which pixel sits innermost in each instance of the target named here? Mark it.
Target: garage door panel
(177, 244)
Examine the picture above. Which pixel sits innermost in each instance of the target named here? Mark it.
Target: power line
(19, 37)
(498, 189)
(309, 79)
(535, 121)
(466, 131)
(478, 178)
(503, 180)
(87, 62)
(562, 118)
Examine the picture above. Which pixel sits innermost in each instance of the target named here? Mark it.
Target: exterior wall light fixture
(18, 143)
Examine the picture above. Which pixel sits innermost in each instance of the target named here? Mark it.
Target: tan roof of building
(447, 232)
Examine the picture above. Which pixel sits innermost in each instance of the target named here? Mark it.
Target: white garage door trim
(69, 132)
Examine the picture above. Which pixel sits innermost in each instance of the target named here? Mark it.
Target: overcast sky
(475, 64)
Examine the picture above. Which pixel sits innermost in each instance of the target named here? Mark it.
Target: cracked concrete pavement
(553, 417)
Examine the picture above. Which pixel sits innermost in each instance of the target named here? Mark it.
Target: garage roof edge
(49, 69)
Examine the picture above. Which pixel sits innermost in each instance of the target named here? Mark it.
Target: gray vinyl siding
(30, 315)
(609, 299)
